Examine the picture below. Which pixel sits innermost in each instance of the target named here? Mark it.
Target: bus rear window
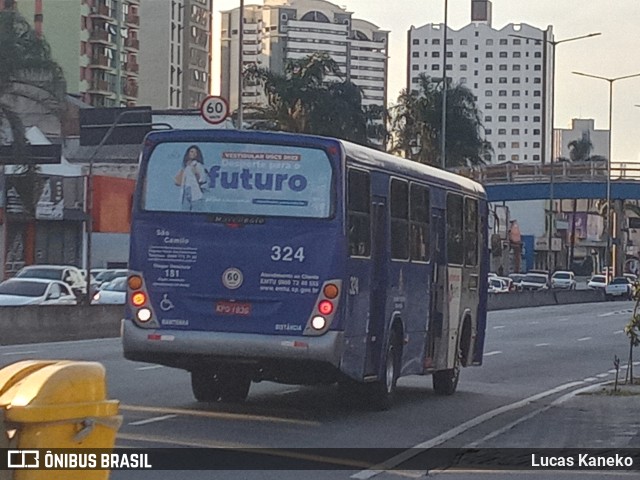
(239, 179)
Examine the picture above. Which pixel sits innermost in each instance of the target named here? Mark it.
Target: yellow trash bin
(48, 404)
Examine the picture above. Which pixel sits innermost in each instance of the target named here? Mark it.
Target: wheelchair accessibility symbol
(165, 303)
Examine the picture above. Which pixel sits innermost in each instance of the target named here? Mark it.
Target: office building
(282, 30)
(96, 44)
(511, 78)
(175, 60)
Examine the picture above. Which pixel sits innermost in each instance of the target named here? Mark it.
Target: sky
(614, 53)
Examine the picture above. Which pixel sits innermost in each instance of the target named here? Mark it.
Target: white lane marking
(589, 379)
(217, 415)
(617, 332)
(150, 367)
(584, 339)
(287, 392)
(608, 314)
(556, 402)
(534, 323)
(563, 319)
(454, 432)
(20, 353)
(542, 345)
(153, 420)
(65, 344)
(613, 370)
(495, 352)
(602, 375)
(498, 327)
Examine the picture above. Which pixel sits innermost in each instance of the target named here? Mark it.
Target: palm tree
(417, 119)
(28, 76)
(305, 100)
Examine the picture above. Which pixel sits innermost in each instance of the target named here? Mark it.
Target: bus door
(438, 304)
(378, 289)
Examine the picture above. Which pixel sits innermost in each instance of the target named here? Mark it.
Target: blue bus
(303, 260)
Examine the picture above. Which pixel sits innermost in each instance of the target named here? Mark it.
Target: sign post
(214, 109)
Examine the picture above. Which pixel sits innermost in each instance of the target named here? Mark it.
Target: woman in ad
(191, 179)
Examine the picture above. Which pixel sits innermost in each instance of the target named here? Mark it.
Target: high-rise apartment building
(282, 30)
(509, 73)
(175, 65)
(96, 44)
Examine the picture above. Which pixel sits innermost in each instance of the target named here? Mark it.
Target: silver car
(35, 291)
(563, 279)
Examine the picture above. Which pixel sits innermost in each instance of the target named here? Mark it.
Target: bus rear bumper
(180, 349)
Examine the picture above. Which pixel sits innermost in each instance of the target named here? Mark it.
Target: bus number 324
(287, 254)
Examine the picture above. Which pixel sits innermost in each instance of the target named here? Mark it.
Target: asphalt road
(532, 357)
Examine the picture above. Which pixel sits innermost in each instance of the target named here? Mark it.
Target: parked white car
(619, 287)
(111, 293)
(63, 273)
(35, 291)
(563, 279)
(597, 282)
(497, 285)
(110, 274)
(534, 281)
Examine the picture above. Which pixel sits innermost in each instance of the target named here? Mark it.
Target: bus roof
(376, 158)
(365, 155)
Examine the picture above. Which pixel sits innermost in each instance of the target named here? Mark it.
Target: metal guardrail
(562, 172)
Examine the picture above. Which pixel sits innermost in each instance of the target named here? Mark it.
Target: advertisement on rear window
(239, 179)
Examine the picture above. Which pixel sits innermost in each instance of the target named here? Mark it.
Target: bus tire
(205, 386)
(383, 391)
(211, 386)
(445, 382)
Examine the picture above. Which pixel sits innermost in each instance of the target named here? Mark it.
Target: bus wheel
(212, 386)
(383, 391)
(236, 389)
(205, 386)
(445, 382)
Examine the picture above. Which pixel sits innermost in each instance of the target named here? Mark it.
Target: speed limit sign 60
(214, 109)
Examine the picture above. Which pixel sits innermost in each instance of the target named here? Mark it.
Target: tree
(417, 119)
(28, 76)
(305, 100)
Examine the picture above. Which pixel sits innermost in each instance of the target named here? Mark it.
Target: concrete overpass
(513, 182)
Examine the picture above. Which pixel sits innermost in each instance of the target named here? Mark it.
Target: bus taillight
(134, 282)
(330, 291)
(318, 322)
(325, 307)
(144, 315)
(138, 299)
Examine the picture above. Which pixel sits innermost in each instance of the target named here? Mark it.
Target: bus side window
(419, 230)
(455, 247)
(359, 214)
(399, 220)
(471, 231)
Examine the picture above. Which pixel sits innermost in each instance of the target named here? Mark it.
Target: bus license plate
(233, 308)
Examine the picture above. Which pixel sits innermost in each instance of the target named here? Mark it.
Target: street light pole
(89, 198)
(551, 214)
(240, 63)
(609, 262)
(443, 128)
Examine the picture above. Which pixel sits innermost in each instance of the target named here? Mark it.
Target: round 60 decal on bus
(214, 109)
(232, 278)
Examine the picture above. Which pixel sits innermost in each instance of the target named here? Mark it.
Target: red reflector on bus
(300, 344)
(154, 336)
(233, 225)
(325, 307)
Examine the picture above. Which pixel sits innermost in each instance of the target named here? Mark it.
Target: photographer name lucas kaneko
(583, 460)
